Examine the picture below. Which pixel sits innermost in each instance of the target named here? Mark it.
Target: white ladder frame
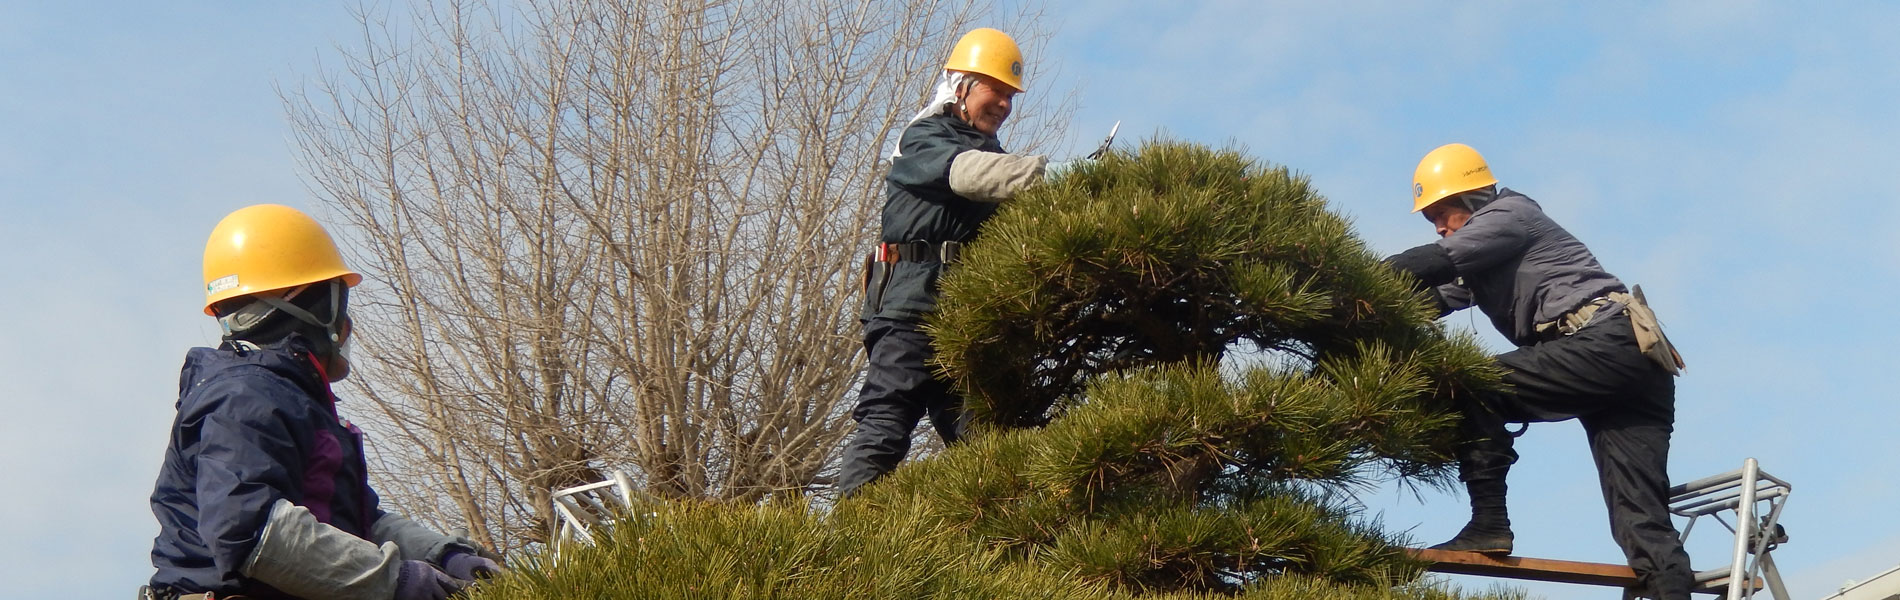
(585, 510)
(1743, 491)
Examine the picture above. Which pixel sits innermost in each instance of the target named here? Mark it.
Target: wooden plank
(1544, 569)
(1533, 569)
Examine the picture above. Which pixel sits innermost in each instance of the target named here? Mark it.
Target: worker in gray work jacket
(1587, 349)
(946, 178)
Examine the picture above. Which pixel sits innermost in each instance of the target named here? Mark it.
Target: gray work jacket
(1521, 268)
(919, 206)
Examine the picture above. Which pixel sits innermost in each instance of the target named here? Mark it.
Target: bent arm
(1433, 271)
(1487, 240)
(308, 559)
(1429, 264)
(1452, 297)
(247, 461)
(994, 176)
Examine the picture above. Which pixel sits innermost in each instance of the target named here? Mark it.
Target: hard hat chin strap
(333, 328)
(256, 316)
(962, 105)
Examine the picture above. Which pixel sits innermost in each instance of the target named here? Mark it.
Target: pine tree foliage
(1175, 253)
(1099, 310)
(1182, 364)
(700, 551)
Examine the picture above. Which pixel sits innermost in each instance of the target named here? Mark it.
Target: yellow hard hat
(991, 53)
(269, 247)
(1447, 170)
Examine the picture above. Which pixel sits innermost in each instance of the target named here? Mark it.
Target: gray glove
(419, 580)
(461, 564)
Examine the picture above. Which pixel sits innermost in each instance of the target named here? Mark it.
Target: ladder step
(1532, 569)
(1557, 571)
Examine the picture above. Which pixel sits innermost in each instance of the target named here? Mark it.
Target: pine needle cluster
(1181, 365)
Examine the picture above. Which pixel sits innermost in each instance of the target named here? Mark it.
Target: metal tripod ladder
(588, 510)
(1746, 491)
(1755, 497)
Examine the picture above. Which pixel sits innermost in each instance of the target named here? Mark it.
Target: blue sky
(1732, 157)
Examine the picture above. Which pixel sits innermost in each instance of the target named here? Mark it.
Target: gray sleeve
(1490, 238)
(307, 559)
(416, 541)
(994, 176)
(1452, 297)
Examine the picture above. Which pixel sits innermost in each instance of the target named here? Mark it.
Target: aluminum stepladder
(1746, 491)
(587, 510)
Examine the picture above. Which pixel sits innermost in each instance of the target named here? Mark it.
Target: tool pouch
(877, 275)
(1649, 332)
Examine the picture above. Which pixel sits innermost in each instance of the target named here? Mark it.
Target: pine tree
(1179, 364)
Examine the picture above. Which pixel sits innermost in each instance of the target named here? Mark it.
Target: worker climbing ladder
(1750, 498)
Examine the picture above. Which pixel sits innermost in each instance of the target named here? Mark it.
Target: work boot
(1489, 531)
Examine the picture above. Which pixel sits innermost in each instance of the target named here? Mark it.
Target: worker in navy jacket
(263, 492)
(1587, 349)
(946, 178)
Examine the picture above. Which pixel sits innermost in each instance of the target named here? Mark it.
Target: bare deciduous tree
(616, 234)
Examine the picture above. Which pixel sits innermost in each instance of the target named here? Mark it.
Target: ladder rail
(1714, 482)
(1715, 504)
(1744, 517)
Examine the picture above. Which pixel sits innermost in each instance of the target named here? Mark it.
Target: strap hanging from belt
(163, 593)
(1575, 320)
(920, 251)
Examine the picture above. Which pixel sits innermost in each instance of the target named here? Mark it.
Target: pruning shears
(1102, 150)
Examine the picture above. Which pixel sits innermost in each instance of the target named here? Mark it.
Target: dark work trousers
(1627, 405)
(900, 387)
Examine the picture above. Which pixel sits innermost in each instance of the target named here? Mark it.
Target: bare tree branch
(616, 234)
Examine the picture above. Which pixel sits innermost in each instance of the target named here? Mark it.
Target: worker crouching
(263, 492)
(1587, 349)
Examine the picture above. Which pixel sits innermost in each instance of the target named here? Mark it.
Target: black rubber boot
(1489, 531)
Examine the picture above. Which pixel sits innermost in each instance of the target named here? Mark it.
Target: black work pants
(900, 388)
(1627, 406)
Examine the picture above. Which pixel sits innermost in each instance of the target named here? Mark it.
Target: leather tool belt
(920, 251)
(1649, 334)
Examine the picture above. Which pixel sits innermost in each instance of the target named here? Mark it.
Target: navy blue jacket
(253, 426)
(919, 206)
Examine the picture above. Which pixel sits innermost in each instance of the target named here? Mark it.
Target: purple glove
(465, 565)
(419, 580)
